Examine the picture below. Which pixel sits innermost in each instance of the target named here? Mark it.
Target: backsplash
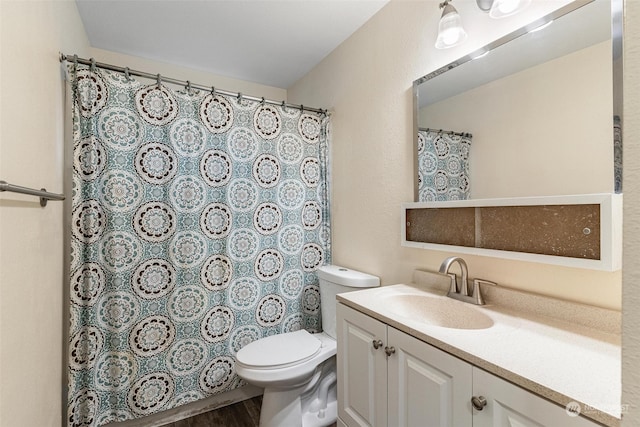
(526, 303)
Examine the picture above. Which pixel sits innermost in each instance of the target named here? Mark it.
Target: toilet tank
(335, 280)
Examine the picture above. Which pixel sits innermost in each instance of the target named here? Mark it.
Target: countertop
(556, 359)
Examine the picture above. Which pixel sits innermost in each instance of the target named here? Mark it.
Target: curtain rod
(447, 132)
(92, 62)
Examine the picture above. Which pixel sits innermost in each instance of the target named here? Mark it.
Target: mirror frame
(616, 41)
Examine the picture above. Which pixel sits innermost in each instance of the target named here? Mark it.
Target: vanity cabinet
(389, 378)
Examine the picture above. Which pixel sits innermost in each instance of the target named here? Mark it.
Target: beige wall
(512, 154)
(31, 238)
(631, 179)
(183, 73)
(367, 82)
(32, 149)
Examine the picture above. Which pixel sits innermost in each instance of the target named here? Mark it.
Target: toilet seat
(284, 361)
(279, 351)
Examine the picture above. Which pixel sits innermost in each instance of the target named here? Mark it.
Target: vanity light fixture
(450, 31)
(502, 8)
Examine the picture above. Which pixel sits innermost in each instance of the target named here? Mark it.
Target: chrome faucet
(460, 291)
(456, 288)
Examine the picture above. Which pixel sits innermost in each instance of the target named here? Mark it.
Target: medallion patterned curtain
(443, 165)
(198, 222)
(617, 154)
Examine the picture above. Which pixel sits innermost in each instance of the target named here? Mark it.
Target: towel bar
(43, 193)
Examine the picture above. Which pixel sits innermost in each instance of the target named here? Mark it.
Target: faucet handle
(483, 282)
(476, 293)
(453, 287)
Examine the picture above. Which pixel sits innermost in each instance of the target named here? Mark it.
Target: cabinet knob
(389, 350)
(479, 402)
(377, 344)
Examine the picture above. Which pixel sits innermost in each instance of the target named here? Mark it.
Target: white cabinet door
(427, 387)
(511, 406)
(362, 369)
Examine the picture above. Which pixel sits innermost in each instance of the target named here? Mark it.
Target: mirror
(532, 117)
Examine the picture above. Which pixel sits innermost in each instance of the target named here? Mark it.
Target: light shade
(450, 31)
(504, 8)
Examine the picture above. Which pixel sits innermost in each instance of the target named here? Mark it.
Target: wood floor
(241, 414)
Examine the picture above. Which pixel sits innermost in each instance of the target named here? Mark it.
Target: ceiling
(271, 42)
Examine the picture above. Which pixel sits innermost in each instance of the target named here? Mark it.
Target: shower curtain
(443, 165)
(617, 154)
(198, 222)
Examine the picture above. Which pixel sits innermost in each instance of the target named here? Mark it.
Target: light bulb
(507, 7)
(450, 31)
(504, 8)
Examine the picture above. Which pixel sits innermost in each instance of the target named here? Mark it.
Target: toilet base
(321, 418)
(312, 405)
(283, 408)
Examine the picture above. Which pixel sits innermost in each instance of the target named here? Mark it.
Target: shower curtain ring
(158, 80)
(213, 90)
(93, 65)
(188, 87)
(262, 101)
(284, 107)
(126, 74)
(301, 108)
(240, 96)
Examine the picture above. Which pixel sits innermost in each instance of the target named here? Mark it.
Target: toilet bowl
(297, 369)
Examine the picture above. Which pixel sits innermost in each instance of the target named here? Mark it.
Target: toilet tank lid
(347, 277)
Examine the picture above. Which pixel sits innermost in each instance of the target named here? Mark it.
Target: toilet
(297, 369)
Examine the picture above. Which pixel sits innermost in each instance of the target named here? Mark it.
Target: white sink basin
(443, 312)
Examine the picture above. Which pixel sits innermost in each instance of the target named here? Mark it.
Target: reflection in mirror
(539, 105)
(443, 164)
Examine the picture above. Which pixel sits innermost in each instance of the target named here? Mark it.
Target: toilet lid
(278, 351)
